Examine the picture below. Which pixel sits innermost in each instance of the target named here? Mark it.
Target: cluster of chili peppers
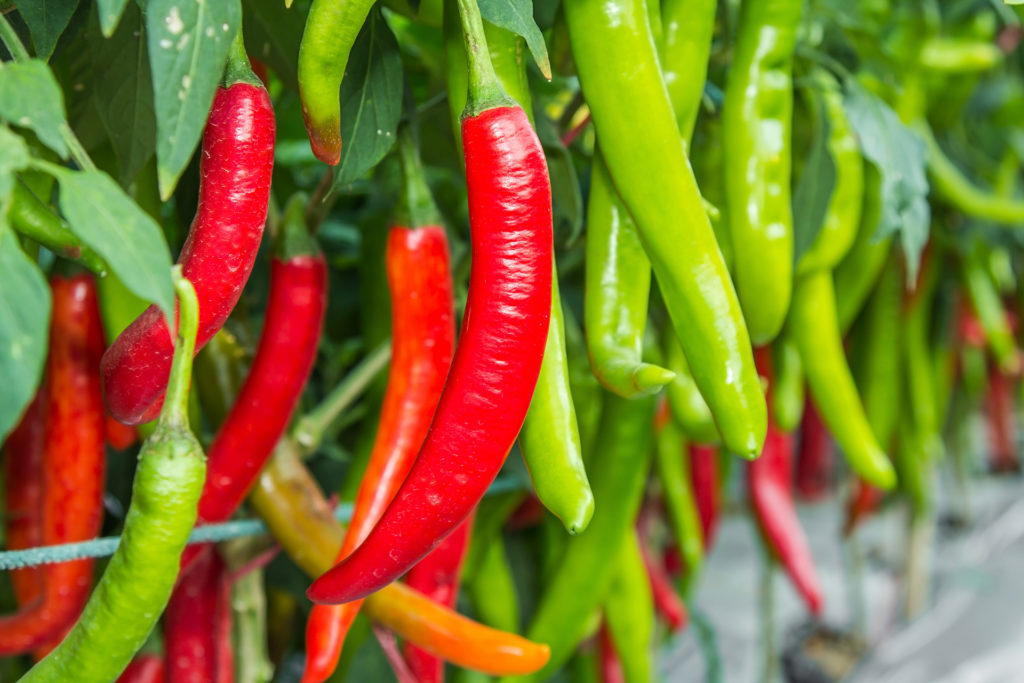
(760, 341)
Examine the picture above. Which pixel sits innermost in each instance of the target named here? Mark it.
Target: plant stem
(175, 411)
(11, 41)
(769, 673)
(485, 91)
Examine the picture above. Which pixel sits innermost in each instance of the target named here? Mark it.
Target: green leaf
(188, 46)
(272, 35)
(14, 158)
(517, 16)
(31, 98)
(24, 323)
(107, 220)
(46, 20)
(371, 100)
(110, 14)
(123, 93)
(814, 188)
(901, 158)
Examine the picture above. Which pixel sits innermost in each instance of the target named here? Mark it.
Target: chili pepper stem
(416, 206)
(485, 91)
(238, 68)
(174, 414)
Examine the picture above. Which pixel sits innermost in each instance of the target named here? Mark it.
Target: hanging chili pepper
(629, 610)
(327, 39)
(423, 334)
(668, 603)
(687, 29)
(197, 623)
(671, 460)
(145, 668)
(71, 470)
(24, 462)
(139, 578)
(771, 496)
(788, 395)
(618, 68)
(119, 436)
(235, 167)
(1002, 424)
(988, 306)
(34, 219)
(491, 379)
(814, 457)
(437, 577)
(704, 473)
(610, 665)
(688, 405)
(491, 588)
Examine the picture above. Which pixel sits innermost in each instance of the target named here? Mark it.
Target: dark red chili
(1000, 413)
(235, 166)
(610, 667)
(145, 668)
(74, 457)
(815, 455)
(704, 472)
(119, 436)
(498, 359)
(667, 601)
(197, 623)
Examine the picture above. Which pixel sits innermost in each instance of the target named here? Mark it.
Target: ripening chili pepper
(423, 341)
(293, 506)
(327, 39)
(437, 577)
(585, 570)
(197, 621)
(629, 610)
(71, 470)
(671, 461)
(618, 70)
(757, 131)
(235, 167)
(1002, 424)
(667, 602)
(491, 380)
(988, 306)
(145, 668)
(788, 396)
(771, 495)
(704, 474)
(814, 457)
(23, 494)
(139, 578)
(684, 398)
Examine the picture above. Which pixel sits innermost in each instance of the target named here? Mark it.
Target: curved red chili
(814, 457)
(496, 364)
(74, 457)
(667, 600)
(235, 167)
(197, 624)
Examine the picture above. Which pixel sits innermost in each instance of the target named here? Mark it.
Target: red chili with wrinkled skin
(814, 457)
(197, 624)
(423, 342)
(771, 492)
(234, 189)
(704, 472)
(495, 368)
(145, 668)
(23, 494)
(437, 577)
(667, 601)
(74, 458)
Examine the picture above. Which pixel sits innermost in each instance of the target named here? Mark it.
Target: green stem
(769, 673)
(238, 68)
(175, 411)
(485, 91)
(310, 428)
(416, 206)
(12, 42)
(293, 238)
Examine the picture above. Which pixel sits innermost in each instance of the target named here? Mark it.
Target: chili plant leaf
(107, 220)
(272, 35)
(123, 94)
(46, 20)
(31, 98)
(14, 158)
(24, 321)
(517, 16)
(371, 100)
(901, 158)
(110, 12)
(814, 188)
(188, 46)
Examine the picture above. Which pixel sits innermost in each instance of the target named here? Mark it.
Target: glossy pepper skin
(139, 578)
(688, 407)
(72, 466)
(616, 60)
(423, 342)
(687, 27)
(197, 622)
(236, 162)
(34, 219)
(327, 39)
(299, 516)
(757, 129)
(788, 393)
(492, 379)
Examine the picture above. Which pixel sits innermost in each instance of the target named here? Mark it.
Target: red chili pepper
(74, 456)
(667, 600)
(769, 478)
(814, 458)
(423, 341)
(145, 668)
(864, 499)
(23, 494)
(437, 577)
(1002, 425)
(498, 359)
(235, 166)
(704, 472)
(528, 513)
(197, 624)
(608, 659)
(119, 436)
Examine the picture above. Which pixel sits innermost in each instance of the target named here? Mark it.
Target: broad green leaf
(901, 158)
(24, 323)
(272, 35)
(107, 220)
(123, 93)
(371, 100)
(14, 158)
(188, 46)
(110, 14)
(517, 16)
(31, 98)
(814, 188)
(46, 20)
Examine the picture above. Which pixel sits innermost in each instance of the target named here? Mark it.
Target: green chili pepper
(581, 580)
(138, 580)
(757, 122)
(586, 390)
(685, 45)
(672, 463)
(220, 372)
(787, 389)
(619, 73)
(921, 397)
(629, 611)
(616, 293)
(959, 54)
(35, 220)
(492, 590)
(988, 305)
(684, 398)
